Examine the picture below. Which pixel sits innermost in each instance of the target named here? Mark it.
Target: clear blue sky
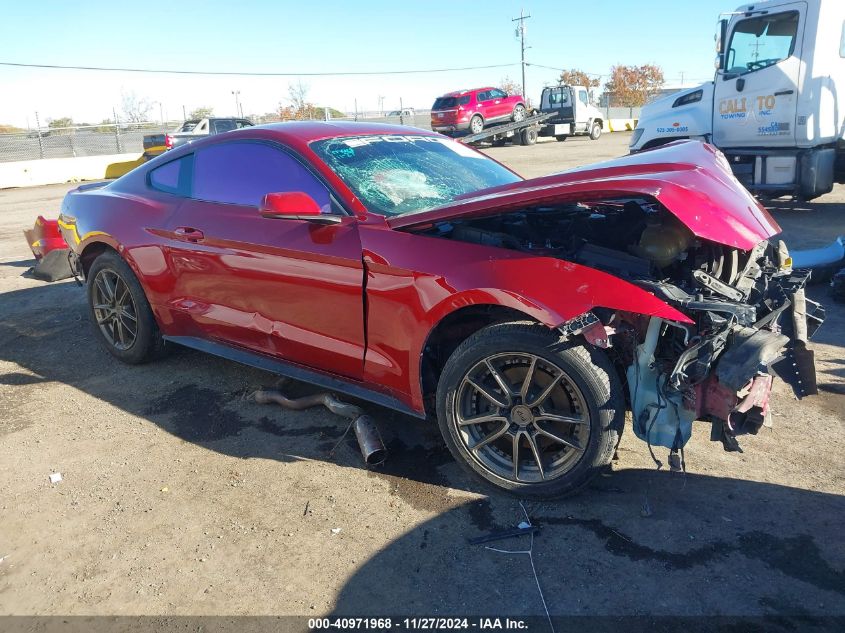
(327, 35)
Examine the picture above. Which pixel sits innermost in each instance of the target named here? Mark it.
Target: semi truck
(776, 106)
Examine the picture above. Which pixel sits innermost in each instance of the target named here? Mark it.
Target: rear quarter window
(173, 177)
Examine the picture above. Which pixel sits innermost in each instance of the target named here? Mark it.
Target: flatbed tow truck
(523, 132)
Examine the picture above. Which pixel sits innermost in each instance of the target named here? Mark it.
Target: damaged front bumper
(721, 369)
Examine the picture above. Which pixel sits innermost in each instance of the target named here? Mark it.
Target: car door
(484, 105)
(286, 287)
(755, 93)
(500, 104)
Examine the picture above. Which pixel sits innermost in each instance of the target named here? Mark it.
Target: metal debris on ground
(504, 534)
(55, 478)
(336, 530)
(530, 553)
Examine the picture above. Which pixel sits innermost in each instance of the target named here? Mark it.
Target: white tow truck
(776, 106)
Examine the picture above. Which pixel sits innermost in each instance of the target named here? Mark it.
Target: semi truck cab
(776, 106)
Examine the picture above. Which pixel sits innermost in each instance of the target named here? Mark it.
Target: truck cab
(774, 106)
(572, 110)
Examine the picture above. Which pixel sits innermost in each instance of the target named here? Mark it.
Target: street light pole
(238, 111)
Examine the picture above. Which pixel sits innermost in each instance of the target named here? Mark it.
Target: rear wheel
(518, 113)
(120, 311)
(476, 124)
(595, 131)
(528, 136)
(527, 415)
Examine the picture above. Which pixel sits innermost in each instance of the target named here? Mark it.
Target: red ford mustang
(401, 267)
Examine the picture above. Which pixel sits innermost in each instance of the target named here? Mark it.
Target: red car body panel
(359, 299)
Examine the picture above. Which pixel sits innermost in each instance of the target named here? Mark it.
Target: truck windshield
(554, 98)
(762, 41)
(401, 174)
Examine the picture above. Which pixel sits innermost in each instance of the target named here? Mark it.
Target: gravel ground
(180, 496)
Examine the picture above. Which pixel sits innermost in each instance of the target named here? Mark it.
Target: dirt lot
(180, 496)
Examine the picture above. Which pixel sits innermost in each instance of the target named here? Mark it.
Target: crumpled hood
(691, 179)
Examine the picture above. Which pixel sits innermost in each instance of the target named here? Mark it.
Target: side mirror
(294, 205)
(720, 45)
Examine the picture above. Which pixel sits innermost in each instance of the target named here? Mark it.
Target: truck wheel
(527, 414)
(476, 124)
(120, 312)
(595, 131)
(518, 113)
(528, 137)
(561, 137)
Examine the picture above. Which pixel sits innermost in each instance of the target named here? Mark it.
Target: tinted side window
(463, 100)
(483, 96)
(172, 177)
(224, 126)
(243, 173)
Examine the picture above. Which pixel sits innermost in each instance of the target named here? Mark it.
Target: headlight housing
(690, 97)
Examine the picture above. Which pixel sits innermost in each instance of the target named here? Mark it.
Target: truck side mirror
(720, 43)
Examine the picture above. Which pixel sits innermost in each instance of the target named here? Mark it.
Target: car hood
(692, 180)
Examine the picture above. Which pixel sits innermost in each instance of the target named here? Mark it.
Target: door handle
(784, 92)
(740, 84)
(189, 234)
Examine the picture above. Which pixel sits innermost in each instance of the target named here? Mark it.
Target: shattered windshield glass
(400, 174)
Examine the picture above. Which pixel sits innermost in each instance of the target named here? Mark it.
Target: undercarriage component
(752, 350)
(366, 432)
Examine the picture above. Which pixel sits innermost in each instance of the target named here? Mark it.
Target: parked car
(471, 110)
(410, 270)
(194, 129)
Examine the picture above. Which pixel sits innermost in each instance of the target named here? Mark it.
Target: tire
(476, 124)
(586, 384)
(528, 136)
(595, 131)
(518, 113)
(561, 138)
(113, 285)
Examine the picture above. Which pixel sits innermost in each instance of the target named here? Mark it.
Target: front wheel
(120, 312)
(560, 138)
(595, 131)
(527, 414)
(518, 113)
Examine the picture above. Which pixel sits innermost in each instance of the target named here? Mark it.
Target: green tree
(64, 121)
(202, 112)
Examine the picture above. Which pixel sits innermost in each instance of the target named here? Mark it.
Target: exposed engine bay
(751, 317)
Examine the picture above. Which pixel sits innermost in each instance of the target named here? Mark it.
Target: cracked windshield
(398, 175)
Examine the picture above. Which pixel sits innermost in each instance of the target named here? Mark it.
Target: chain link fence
(70, 142)
(128, 138)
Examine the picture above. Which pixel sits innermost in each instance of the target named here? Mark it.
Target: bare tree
(298, 95)
(509, 86)
(135, 109)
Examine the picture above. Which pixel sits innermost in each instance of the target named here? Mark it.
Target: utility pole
(682, 78)
(520, 31)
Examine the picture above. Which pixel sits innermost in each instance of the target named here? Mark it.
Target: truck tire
(554, 429)
(561, 137)
(595, 131)
(528, 136)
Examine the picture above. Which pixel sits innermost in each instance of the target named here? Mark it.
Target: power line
(255, 74)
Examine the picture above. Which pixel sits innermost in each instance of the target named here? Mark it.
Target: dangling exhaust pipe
(369, 440)
(366, 431)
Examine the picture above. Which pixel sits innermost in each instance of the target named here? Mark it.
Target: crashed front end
(675, 223)
(751, 321)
